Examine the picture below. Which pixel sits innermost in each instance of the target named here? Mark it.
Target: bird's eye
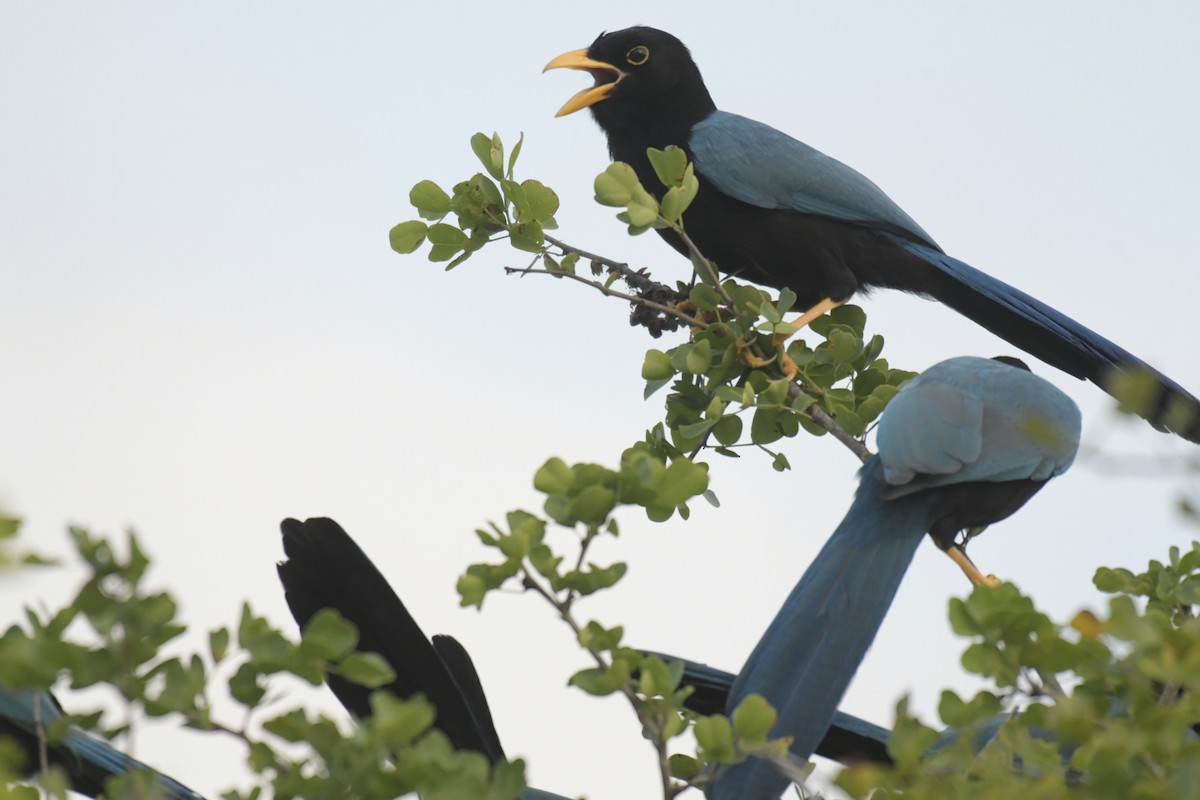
(638, 55)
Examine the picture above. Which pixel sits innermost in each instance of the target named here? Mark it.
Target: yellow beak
(607, 76)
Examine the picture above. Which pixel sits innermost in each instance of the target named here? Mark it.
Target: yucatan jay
(88, 761)
(326, 569)
(964, 444)
(778, 212)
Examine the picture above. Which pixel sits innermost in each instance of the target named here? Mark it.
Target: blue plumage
(968, 433)
(764, 167)
(88, 760)
(975, 419)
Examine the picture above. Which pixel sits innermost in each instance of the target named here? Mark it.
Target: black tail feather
(326, 569)
(1060, 341)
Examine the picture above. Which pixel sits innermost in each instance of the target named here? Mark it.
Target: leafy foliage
(1126, 728)
(839, 382)
(393, 753)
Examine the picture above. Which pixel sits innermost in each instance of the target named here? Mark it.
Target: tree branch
(640, 280)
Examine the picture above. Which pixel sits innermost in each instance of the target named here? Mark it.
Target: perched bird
(88, 761)
(326, 569)
(778, 212)
(964, 444)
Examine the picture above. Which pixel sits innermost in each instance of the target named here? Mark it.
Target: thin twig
(814, 412)
(637, 279)
(610, 292)
(705, 264)
(822, 418)
(563, 607)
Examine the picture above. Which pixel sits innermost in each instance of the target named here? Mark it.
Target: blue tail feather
(1054, 337)
(806, 659)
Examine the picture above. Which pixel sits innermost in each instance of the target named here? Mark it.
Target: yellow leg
(820, 308)
(789, 367)
(969, 569)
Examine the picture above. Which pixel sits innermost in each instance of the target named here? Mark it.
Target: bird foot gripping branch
(790, 370)
(959, 556)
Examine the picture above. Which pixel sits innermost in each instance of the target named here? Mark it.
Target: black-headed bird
(780, 213)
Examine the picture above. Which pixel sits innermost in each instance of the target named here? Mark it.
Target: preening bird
(964, 444)
(776, 211)
(24, 716)
(326, 569)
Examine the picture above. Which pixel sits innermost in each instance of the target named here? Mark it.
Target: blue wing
(976, 419)
(759, 165)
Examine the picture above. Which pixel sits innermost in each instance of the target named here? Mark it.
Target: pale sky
(204, 330)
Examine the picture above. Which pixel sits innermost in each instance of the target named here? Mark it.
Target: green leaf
(715, 737)
(775, 393)
(430, 200)
(490, 153)
(218, 644)
(668, 164)
(328, 636)
(844, 347)
(981, 708)
(512, 158)
(542, 202)
(695, 430)
(728, 429)
(682, 481)
(598, 639)
(553, 477)
(471, 590)
(401, 720)
(367, 669)
(850, 316)
(699, 358)
(592, 505)
(614, 186)
(527, 236)
(704, 297)
(657, 366)
(764, 426)
(599, 681)
(683, 767)
(678, 199)
(448, 235)
(753, 718)
(407, 236)
(643, 208)
(514, 194)
(849, 420)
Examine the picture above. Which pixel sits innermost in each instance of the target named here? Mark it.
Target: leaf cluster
(395, 752)
(1125, 729)
(487, 207)
(712, 392)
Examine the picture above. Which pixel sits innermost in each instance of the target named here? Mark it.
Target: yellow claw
(790, 370)
(970, 570)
